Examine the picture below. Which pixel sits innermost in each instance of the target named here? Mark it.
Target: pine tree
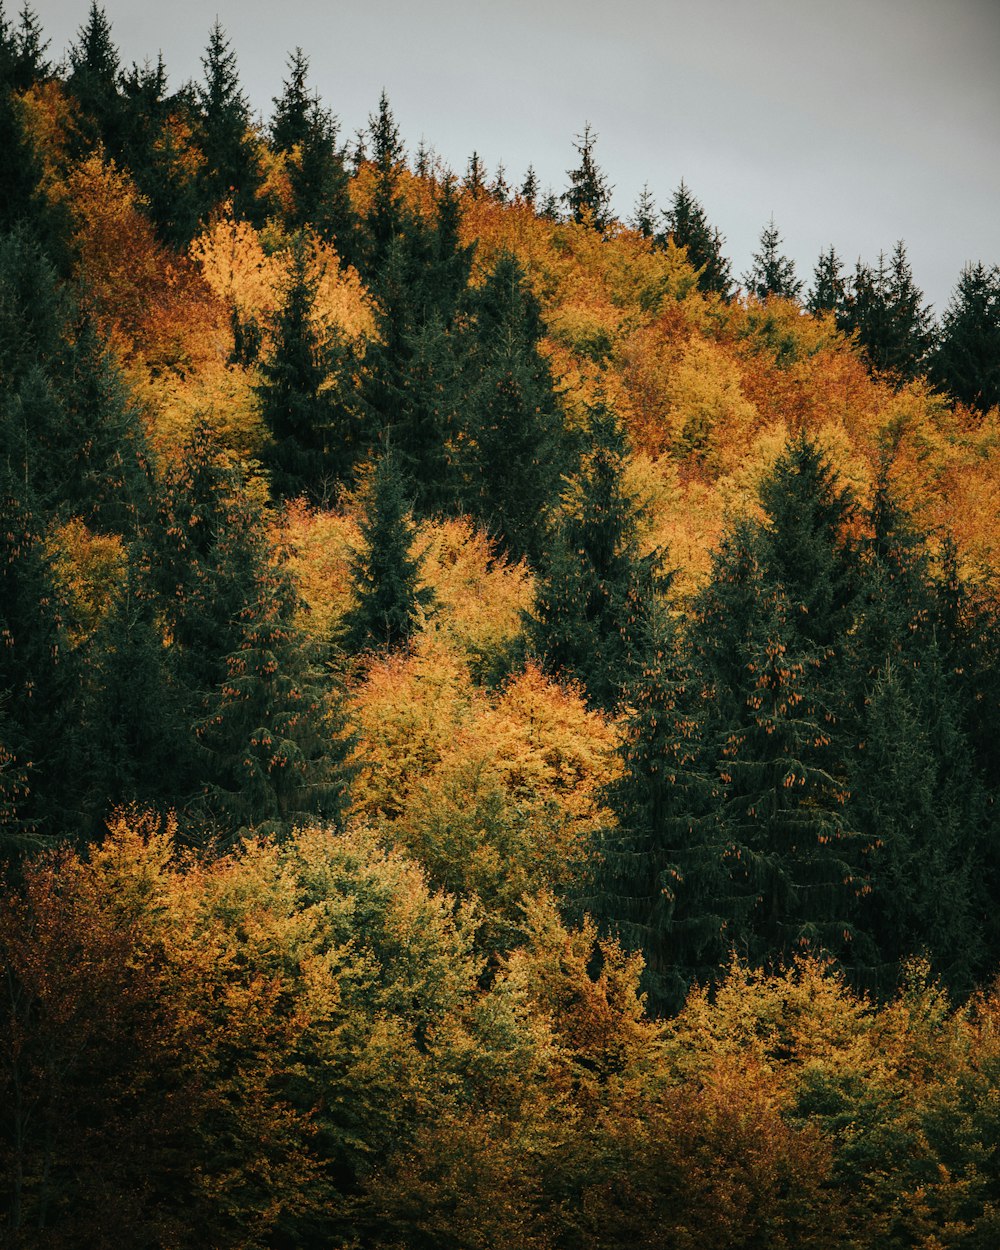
(22, 51)
(389, 599)
(588, 198)
(966, 362)
(596, 594)
(686, 223)
(771, 272)
(514, 448)
(39, 686)
(529, 188)
(474, 182)
(829, 289)
(661, 884)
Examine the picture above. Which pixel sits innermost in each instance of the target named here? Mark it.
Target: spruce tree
(94, 80)
(302, 394)
(317, 172)
(596, 593)
(771, 273)
(686, 224)
(385, 574)
(588, 197)
(886, 311)
(231, 171)
(829, 288)
(769, 633)
(644, 214)
(966, 361)
(514, 448)
(386, 216)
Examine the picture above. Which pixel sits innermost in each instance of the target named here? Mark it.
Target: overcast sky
(854, 122)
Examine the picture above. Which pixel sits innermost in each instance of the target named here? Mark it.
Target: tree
(829, 289)
(231, 171)
(307, 133)
(771, 272)
(302, 392)
(95, 71)
(474, 182)
(966, 361)
(257, 741)
(22, 51)
(886, 311)
(386, 216)
(514, 447)
(596, 602)
(644, 214)
(769, 633)
(686, 223)
(389, 599)
(588, 198)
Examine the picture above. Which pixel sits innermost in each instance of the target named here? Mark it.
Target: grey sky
(855, 122)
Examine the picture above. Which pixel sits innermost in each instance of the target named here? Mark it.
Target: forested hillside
(499, 716)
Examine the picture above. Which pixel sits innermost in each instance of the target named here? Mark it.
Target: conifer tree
(596, 596)
(386, 217)
(886, 311)
(588, 197)
(95, 71)
(771, 272)
(302, 392)
(966, 361)
(644, 214)
(257, 745)
(685, 222)
(385, 574)
(231, 171)
(769, 637)
(474, 182)
(514, 449)
(529, 188)
(829, 288)
(308, 133)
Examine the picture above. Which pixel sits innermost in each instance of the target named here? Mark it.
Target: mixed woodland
(499, 715)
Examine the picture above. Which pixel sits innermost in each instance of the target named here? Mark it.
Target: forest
(499, 715)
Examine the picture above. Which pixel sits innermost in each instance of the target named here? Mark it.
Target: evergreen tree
(385, 574)
(514, 445)
(529, 188)
(95, 71)
(474, 183)
(22, 51)
(69, 431)
(386, 217)
(687, 225)
(588, 198)
(596, 595)
(39, 686)
(661, 883)
(412, 376)
(307, 132)
(966, 362)
(886, 311)
(771, 272)
(645, 213)
(302, 393)
(769, 633)
(256, 745)
(829, 289)
(231, 170)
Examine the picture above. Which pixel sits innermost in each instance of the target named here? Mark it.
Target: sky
(855, 123)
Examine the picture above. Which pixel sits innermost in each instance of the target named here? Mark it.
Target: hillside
(499, 719)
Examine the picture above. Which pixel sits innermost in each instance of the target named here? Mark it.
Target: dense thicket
(482, 700)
